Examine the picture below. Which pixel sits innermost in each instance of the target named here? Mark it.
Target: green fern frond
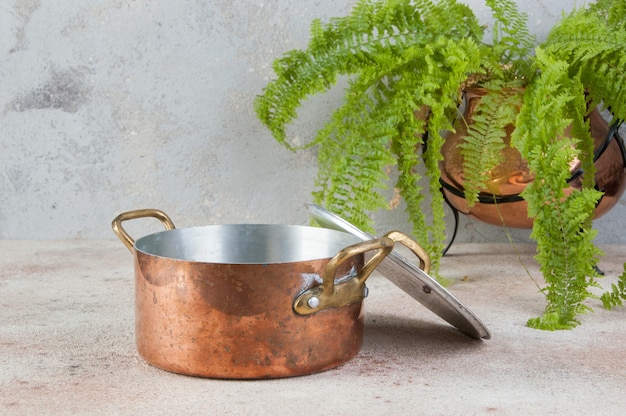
(562, 224)
(616, 296)
(485, 140)
(594, 48)
(374, 33)
(512, 42)
(616, 13)
(388, 114)
(611, 12)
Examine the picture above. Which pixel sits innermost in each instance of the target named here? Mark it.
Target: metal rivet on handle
(313, 302)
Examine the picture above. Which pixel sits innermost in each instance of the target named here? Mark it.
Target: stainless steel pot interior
(246, 243)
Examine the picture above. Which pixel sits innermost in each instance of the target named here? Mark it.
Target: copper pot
(502, 203)
(247, 301)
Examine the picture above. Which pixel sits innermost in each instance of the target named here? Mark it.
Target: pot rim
(245, 244)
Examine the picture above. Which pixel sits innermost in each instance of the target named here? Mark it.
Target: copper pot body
(218, 301)
(512, 176)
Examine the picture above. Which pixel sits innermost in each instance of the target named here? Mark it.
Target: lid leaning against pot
(412, 280)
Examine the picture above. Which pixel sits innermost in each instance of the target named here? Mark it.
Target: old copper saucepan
(247, 301)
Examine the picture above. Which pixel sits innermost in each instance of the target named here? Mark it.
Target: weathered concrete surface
(66, 346)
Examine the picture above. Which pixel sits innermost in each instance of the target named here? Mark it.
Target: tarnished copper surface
(511, 177)
(237, 321)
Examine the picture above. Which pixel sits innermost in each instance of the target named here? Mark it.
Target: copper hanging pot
(247, 301)
(502, 204)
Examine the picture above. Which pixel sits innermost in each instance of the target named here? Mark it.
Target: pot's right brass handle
(407, 241)
(140, 213)
(336, 295)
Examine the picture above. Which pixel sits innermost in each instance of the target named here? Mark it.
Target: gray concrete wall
(113, 105)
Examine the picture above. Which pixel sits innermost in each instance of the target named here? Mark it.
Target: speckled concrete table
(67, 346)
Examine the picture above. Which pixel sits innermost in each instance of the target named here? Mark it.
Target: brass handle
(140, 213)
(407, 241)
(335, 295)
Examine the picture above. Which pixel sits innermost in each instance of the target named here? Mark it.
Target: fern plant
(562, 224)
(406, 63)
(400, 56)
(581, 65)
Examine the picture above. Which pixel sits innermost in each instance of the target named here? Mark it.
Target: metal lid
(412, 280)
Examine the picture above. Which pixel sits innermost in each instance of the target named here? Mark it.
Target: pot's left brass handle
(335, 295)
(140, 213)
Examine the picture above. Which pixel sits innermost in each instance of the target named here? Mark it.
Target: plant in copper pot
(408, 66)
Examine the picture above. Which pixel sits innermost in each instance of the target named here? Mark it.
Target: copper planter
(502, 204)
(247, 301)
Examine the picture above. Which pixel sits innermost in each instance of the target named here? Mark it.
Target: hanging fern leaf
(353, 45)
(485, 140)
(594, 48)
(512, 43)
(562, 223)
(617, 295)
